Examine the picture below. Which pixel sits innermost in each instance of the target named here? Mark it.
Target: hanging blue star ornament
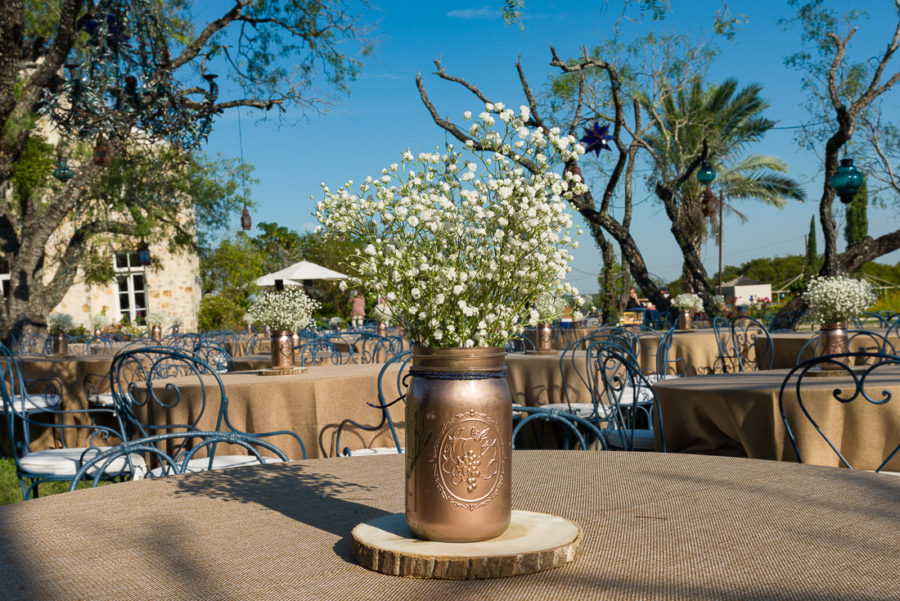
(596, 138)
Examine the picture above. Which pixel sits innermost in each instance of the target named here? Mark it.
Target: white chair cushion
(642, 441)
(374, 451)
(65, 462)
(104, 399)
(582, 410)
(34, 402)
(221, 462)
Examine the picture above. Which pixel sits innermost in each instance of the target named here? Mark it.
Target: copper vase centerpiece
(98, 331)
(60, 344)
(458, 444)
(543, 338)
(175, 330)
(381, 329)
(833, 340)
(685, 321)
(156, 333)
(282, 349)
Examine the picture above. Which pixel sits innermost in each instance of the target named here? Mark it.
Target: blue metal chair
(725, 359)
(862, 390)
(518, 343)
(369, 347)
(66, 429)
(577, 433)
(745, 333)
(131, 459)
(635, 420)
(396, 392)
(322, 351)
(150, 379)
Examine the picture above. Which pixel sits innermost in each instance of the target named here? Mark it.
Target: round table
(673, 527)
(737, 414)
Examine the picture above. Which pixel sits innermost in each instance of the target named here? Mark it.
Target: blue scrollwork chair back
(577, 433)
(392, 389)
(867, 386)
(752, 346)
(149, 387)
(67, 435)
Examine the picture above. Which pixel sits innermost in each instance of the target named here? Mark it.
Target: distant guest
(633, 301)
(357, 309)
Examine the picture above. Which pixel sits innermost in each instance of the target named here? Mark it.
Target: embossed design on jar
(467, 460)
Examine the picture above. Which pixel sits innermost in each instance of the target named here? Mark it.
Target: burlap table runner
(670, 527)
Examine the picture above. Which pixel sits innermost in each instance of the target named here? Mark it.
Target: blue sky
(383, 115)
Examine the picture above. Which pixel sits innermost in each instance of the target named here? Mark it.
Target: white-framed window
(131, 287)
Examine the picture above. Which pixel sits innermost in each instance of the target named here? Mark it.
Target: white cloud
(485, 12)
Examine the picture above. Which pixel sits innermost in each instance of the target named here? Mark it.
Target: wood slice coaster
(534, 542)
(281, 372)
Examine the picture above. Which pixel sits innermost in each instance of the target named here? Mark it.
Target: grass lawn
(11, 492)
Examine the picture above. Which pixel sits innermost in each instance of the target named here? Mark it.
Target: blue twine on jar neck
(457, 375)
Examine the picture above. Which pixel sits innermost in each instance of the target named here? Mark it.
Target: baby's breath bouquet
(548, 307)
(59, 323)
(461, 245)
(838, 299)
(688, 302)
(98, 322)
(155, 319)
(383, 314)
(289, 309)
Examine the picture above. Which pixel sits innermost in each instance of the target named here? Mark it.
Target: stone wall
(173, 289)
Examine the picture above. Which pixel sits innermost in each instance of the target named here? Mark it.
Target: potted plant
(686, 303)
(283, 311)
(834, 301)
(177, 322)
(547, 308)
(155, 322)
(59, 325)
(98, 322)
(461, 247)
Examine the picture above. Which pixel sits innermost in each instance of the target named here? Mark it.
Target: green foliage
(812, 255)
(33, 169)
(857, 226)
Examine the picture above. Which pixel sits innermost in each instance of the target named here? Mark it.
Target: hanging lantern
(63, 172)
(102, 152)
(706, 174)
(246, 222)
(846, 180)
(143, 254)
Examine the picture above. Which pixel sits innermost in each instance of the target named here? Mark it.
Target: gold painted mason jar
(282, 349)
(833, 339)
(543, 338)
(458, 444)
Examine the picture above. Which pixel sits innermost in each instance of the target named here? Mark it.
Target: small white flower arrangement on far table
(59, 323)
(838, 299)
(548, 307)
(98, 322)
(155, 319)
(688, 302)
(283, 310)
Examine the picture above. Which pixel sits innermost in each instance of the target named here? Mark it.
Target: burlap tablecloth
(314, 403)
(737, 414)
(311, 404)
(656, 527)
(693, 353)
(789, 344)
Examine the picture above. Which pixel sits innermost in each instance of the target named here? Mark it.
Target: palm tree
(726, 120)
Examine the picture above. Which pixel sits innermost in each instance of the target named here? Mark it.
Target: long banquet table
(737, 414)
(667, 527)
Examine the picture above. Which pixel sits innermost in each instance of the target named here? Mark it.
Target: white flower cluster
(288, 309)
(460, 245)
(838, 299)
(583, 306)
(177, 321)
(336, 322)
(383, 313)
(155, 319)
(59, 323)
(688, 302)
(99, 321)
(548, 307)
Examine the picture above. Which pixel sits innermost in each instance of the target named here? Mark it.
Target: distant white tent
(297, 273)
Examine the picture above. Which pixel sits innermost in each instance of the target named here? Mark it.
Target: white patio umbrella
(296, 273)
